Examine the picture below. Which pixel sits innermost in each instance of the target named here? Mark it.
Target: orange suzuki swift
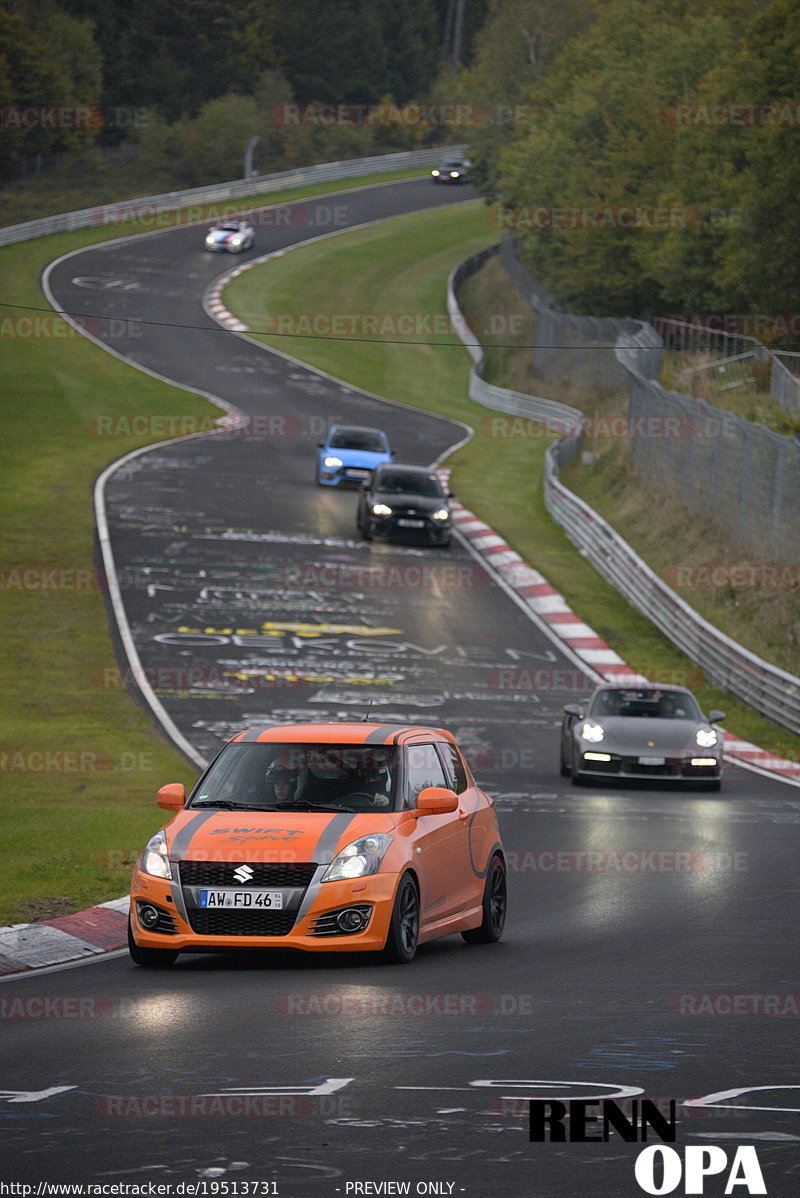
(323, 837)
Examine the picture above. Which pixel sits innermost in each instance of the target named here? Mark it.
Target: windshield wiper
(301, 805)
(224, 803)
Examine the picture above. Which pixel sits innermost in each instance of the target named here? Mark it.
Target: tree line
(647, 152)
(191, 81)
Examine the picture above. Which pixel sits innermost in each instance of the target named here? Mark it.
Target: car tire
(153, 958)
(564, 769)
(576, 777)
(401, 942)
(495, 903)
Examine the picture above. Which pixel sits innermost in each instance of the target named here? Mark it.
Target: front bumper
(673, 769)
(347, 476)
(433, 532)
(310, 926)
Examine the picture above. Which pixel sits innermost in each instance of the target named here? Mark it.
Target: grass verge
(74, 820)
(402, 268)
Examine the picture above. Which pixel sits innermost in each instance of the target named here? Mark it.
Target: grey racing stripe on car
(254, 733)
(323, 854)
(179, 847)
(383, 734)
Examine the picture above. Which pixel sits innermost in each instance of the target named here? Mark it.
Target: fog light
(351, 920)
(148, 916)
(704, 761)
(597, 757)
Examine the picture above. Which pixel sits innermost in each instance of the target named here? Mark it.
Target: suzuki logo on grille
(243, 873)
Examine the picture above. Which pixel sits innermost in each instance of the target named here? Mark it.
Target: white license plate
(652, 761)
(256, 900)
(411, 523)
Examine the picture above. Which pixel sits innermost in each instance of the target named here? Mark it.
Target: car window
(423, 768)
(364, 441)
(402, 482)
(265, 775)
(454, 769)
(650, 704)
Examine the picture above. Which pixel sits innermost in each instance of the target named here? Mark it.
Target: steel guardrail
(150, 206)
(769, 690)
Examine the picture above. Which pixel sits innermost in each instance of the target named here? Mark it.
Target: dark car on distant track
(457, 170)
(405, 501)
(652, 733)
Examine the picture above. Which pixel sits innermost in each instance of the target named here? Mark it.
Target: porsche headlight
(381, 509)
(442, 514)
(359, 859)
(592, 732)
(333, 462)
(706, 737)
(154, 859)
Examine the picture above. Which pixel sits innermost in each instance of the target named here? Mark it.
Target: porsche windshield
(650, 704)
(268, 776)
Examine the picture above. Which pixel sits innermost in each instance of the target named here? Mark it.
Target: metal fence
(739, 476)
(731, 361)
(764, 687)
(569, 348)
(149, 206)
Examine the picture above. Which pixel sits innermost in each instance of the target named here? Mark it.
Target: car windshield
(229, 228)
(361, 439)
(270, 776)
(652, 704)
(404, 482)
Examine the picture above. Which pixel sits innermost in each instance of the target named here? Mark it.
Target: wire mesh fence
(739, 476)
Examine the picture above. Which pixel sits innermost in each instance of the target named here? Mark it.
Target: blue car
(349, 454)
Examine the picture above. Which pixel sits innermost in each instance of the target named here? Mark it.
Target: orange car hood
(285, 836)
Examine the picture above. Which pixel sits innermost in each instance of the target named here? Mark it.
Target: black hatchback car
(405, 502)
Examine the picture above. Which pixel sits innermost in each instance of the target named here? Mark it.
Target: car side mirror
(573, 709)
(436, 800)
(451, 494)
(172, 796)
(714, 717)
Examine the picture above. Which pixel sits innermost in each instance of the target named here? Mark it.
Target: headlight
(236, 240)
(381, 509)
(210, 240)
(360, 858)
(592, 732)
(706, 737)
(442, 514)
(436, 173)
(154, 859)
(454, 174)
(333, 462)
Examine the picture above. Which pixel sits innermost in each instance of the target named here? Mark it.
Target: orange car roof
(344, 733)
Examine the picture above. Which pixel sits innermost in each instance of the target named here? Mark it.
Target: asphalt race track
(238, 575)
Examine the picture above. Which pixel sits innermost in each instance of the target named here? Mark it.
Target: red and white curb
(213, 302)
(89, 933)
(583, 642)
